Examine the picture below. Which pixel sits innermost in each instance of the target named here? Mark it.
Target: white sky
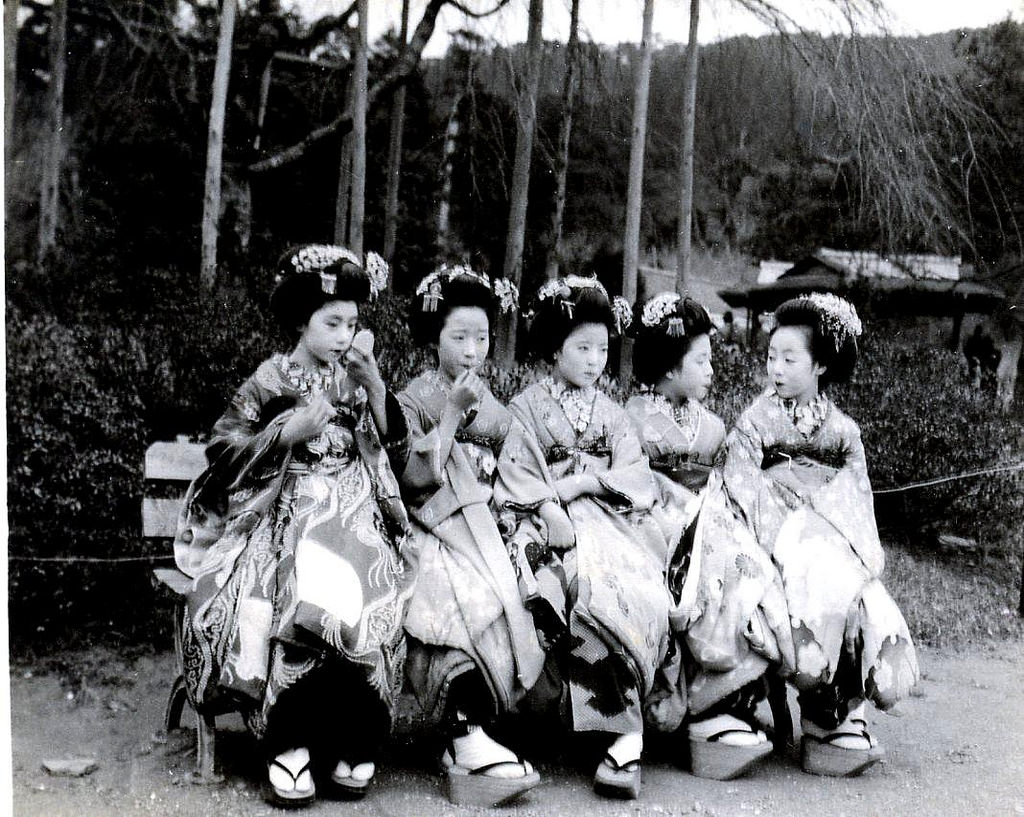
(613, 21)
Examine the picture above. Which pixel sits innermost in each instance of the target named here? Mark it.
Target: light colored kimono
(825, 547)
(606, 595)
(729, 616)
(467, 612)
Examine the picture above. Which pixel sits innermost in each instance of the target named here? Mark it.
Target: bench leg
(782, 720)
(205, 750)
(175, 705)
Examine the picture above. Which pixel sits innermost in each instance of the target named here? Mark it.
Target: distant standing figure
(982, 355)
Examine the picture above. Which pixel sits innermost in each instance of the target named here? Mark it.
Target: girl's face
(583, 355)
(691, 378)
(791, 368)
(463, 342)
(328, 333)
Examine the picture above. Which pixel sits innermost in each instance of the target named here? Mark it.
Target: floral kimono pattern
(603, 603)
(467, 612)
(294, 552)
(825, 546)
(729, 616)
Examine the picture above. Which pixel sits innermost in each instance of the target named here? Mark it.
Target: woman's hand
(307, 422)
(362, 368)
(574, 486)
(561, 536)
(467, 391)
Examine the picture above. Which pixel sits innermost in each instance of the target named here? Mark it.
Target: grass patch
(953, 601)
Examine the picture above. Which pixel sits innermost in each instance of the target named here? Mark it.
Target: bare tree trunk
(444, 204)
(525, 125)
(10, 71)
(344, 197)
(215, 146)
(357, 208)
(556, 251)
(261, 109)
(635, 190)
(395, 152)
(53, 152)
(686, 157)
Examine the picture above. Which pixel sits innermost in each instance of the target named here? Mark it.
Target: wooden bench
(169, 468)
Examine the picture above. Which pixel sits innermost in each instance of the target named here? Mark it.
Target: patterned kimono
(849, 637)
(294, 551)
(467, 612)
(603, 603)
(729, 616)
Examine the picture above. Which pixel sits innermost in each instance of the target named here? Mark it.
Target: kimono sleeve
(523, 481)
(629, 476)
(847, 503)
(741, 473)
(246, 438)
(423, 471)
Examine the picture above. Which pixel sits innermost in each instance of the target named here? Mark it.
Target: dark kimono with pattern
(603, 602)
(295, 553)
(467, 612)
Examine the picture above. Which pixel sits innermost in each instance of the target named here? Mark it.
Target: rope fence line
(1002, 469)
(952, 478)
(91, 559)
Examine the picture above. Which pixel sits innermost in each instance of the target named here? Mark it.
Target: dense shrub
(97, 374)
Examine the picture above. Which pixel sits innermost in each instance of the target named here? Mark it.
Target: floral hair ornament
(838, 316)
(319, 258)
(377, 270)
(561, 289)
(431, 287)
(623, 313)
(660, 307)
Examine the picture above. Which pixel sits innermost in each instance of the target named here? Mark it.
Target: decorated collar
(577, 403)
(306, 380)
(807, 418)
(686, 415)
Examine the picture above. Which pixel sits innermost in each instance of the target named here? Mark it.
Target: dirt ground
(955, 748)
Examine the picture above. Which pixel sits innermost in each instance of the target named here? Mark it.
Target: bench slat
(174, 579)
(175, 461)
(160, 517)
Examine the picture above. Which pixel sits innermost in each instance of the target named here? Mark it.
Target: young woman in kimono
(293, 538)
(796, 472)
(573, 470)
(473, 648)
(728, 600)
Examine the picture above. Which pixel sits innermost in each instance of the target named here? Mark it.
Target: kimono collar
(576, 403)
(686, 415)
(807, 418)
(305, 380)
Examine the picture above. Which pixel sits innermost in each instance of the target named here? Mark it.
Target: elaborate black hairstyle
(667, 327)
(310, 275)
(450, 287)
(566, 303)
(834, 329)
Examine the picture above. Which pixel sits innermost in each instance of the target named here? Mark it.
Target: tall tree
(526, 121)
(686, 153)
(215, 146)
(635, 189)
(556, 251)
(395, 149)
(10, 68)
(359, 80)
(53, 150)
